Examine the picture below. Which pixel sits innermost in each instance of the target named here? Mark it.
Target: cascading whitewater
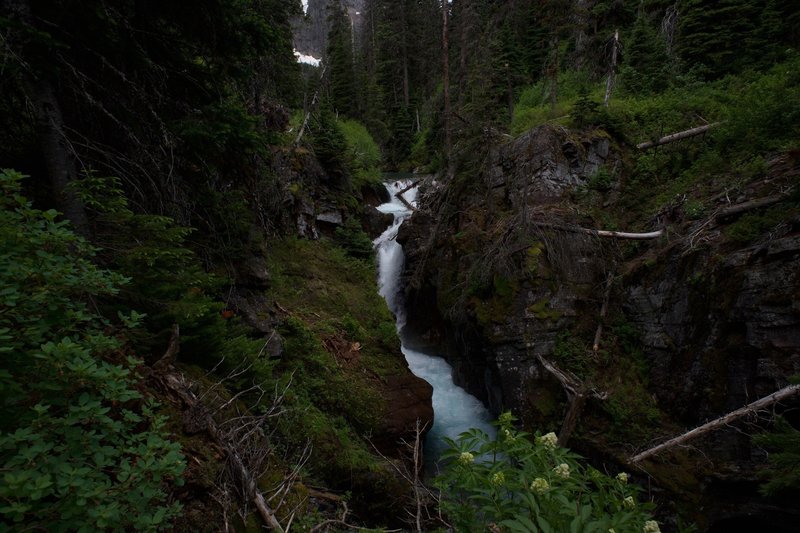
(454, 409)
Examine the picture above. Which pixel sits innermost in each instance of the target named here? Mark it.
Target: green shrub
(363, 150)
(532, 485)
(80, 449)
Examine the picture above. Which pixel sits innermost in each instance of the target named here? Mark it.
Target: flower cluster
(506, 418)
(508, 435)
(466, 458)
(540, 485)
(498, 479)
(651, 526)
(549, 441)
(562, 471)
(622, 477)
(629, 502)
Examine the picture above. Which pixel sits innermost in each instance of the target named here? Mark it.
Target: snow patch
(307, 59)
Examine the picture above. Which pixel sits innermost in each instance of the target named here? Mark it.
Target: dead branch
(603, 312)
(692, 132)
(423, 496)
(751, 408)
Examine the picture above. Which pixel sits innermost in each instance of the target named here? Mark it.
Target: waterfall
(454, 409)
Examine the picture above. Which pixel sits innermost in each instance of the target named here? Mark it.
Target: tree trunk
(603, 312)
(446, 88)
(571, 418)
(57, 153)
(780, 395)
(612, 71)
(554, 76)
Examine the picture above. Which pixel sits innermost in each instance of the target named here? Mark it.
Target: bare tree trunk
(613, 69)
(780, 395)
(677, 136)
(448, 142)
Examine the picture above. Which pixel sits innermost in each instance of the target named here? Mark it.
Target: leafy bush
(525, 485)
(363, 150)
(80, 449)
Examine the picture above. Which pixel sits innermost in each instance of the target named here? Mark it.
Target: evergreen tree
(341, 69)
(712, 33)
(646, 64)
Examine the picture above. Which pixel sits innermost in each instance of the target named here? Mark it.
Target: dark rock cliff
(701, 321)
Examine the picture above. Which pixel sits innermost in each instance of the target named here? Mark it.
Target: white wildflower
(498, 479)
(540, 485)
(622, 477)
(549, 441)
(562, 471)
(651, 526)
(466, 458)
(629, 502)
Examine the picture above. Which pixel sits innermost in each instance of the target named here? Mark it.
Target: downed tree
(777, 396)
(685, 134)
(752, 204)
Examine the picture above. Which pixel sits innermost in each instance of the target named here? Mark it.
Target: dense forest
(606, 249)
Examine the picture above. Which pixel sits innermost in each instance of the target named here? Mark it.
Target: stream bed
(455, 410)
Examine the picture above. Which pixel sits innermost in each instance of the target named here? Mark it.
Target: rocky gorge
(505, 274)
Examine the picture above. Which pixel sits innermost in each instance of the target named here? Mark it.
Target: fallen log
(749, 206)
(399, 196)
(677, 136)
(603, 233)
(777, 396)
